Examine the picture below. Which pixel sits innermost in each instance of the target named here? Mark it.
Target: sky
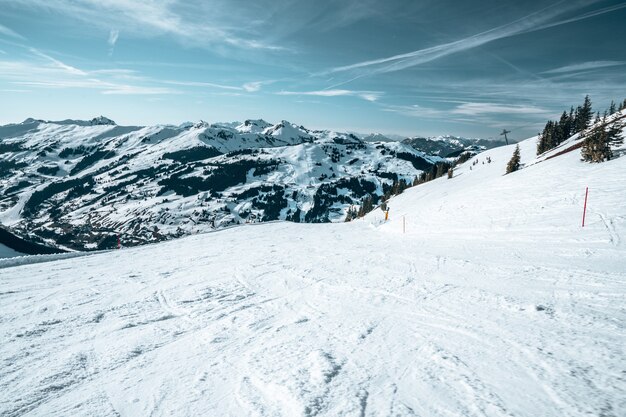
(410, 68)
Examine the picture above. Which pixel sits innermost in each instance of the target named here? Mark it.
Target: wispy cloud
(536, 21)
(365, 95)
(10, 32)
(186, 20)
(470, 112)
(120, 89)
(584, 16)
(61, 65)
(415, 110)
(113, 36)
(475, 109)
(584, 66)
(45, 71)
(203, 84)
(249, 87)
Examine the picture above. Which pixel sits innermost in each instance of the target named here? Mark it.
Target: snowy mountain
(482, 295)
(82, 184)
(451, 146)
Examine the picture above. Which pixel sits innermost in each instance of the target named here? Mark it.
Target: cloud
(253, 86)
(415, 110)
(48, 72)
(475, 109)
(533, 22)
(365, 95)
(136, 90)
(113, 36)
(57, 63)
(10, 33)
(249, 87)
(588, 15)
(191, 22)
(584, 66)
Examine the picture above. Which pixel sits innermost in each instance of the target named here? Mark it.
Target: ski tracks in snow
(413, 327)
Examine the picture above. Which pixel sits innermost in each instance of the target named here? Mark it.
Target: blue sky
(410, 68)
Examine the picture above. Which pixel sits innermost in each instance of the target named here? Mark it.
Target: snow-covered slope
(80, 184)
(495, 302)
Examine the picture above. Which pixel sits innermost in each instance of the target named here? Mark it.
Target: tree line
(577, 120)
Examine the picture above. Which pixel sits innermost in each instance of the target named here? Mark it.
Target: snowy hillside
(495, 302)
(80, 184)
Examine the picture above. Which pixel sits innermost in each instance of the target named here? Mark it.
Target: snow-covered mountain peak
(288, 131)
(253, 126)
(201, 125)
(102, 121)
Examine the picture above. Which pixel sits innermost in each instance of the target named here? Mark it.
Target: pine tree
(584, 115)
(351, 214)
(541, 144)
(612, 108)
(367, 206)
(595, 146)
(614, 133)
(563, 128)
(514, 162)
(597, 143)
(441, 168)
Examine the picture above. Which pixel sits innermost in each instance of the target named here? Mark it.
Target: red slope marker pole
(585, 207)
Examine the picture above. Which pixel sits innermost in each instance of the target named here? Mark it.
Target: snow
(6, 252)
(495, 302)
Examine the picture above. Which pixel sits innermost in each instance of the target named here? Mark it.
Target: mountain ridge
(81, 184)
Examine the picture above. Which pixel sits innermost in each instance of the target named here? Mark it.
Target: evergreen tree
(612, 108)
(563, 128)
(584, 115)
(541, 144)
(367, 206)
(514, 162)
(597, 143)
(351, 214)
(614, 133)
(595, 146)
(440, 170)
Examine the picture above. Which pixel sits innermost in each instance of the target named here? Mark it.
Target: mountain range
(91, 184)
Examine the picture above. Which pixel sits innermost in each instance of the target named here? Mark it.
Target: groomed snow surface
(495, 302)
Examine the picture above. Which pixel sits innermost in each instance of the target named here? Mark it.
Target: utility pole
(504, 132)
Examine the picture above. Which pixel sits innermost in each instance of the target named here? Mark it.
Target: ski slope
(495, 302)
